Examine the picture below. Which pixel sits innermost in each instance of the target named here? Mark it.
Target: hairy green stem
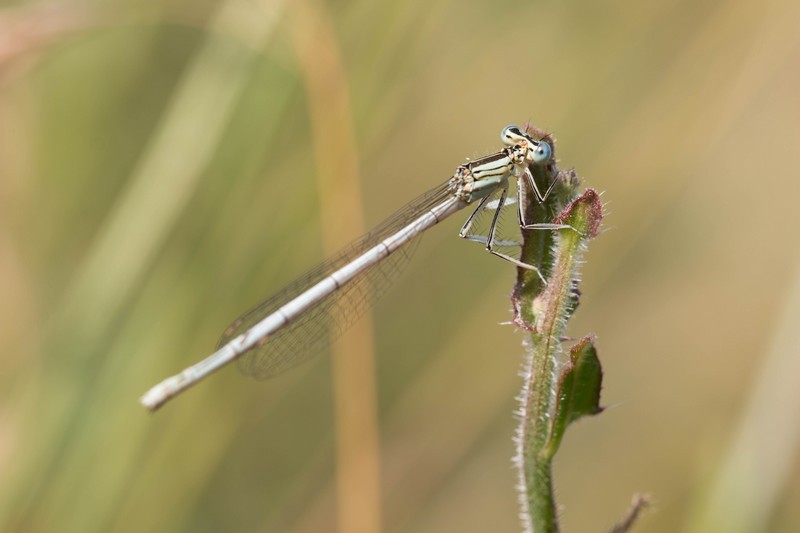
(543, 309)
(539, 398)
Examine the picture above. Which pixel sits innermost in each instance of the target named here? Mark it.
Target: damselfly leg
(523, 152)
(492, 244)
(485, 223)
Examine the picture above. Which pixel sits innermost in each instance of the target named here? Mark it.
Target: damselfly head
(539, 152)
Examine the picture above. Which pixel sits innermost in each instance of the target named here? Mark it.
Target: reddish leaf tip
(584, 213)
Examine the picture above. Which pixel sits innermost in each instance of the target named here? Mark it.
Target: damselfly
(282, 331)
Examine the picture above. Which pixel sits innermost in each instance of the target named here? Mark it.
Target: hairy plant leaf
(578, 390)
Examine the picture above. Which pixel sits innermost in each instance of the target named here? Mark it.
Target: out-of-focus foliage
(156, 179)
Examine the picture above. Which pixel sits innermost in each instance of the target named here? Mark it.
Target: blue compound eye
(542, 153)
(511, 135)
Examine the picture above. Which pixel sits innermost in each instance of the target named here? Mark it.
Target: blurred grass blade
(137, 226)
(169, 169)
(341, 214)
(758, 463)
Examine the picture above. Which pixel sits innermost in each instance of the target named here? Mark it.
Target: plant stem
(543, 310)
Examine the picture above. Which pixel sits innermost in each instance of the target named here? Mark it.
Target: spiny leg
(523, 224)
(546, 226)
(490, 244)
(501, 203)
(468, 223)
(552, 183)
(535, 188)
(541, 198)
(521, 203)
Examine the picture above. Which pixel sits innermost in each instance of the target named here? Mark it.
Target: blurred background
(166, 164)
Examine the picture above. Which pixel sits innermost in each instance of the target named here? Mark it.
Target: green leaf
(578, 390)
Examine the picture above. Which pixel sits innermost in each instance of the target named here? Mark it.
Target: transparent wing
(308, 335)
